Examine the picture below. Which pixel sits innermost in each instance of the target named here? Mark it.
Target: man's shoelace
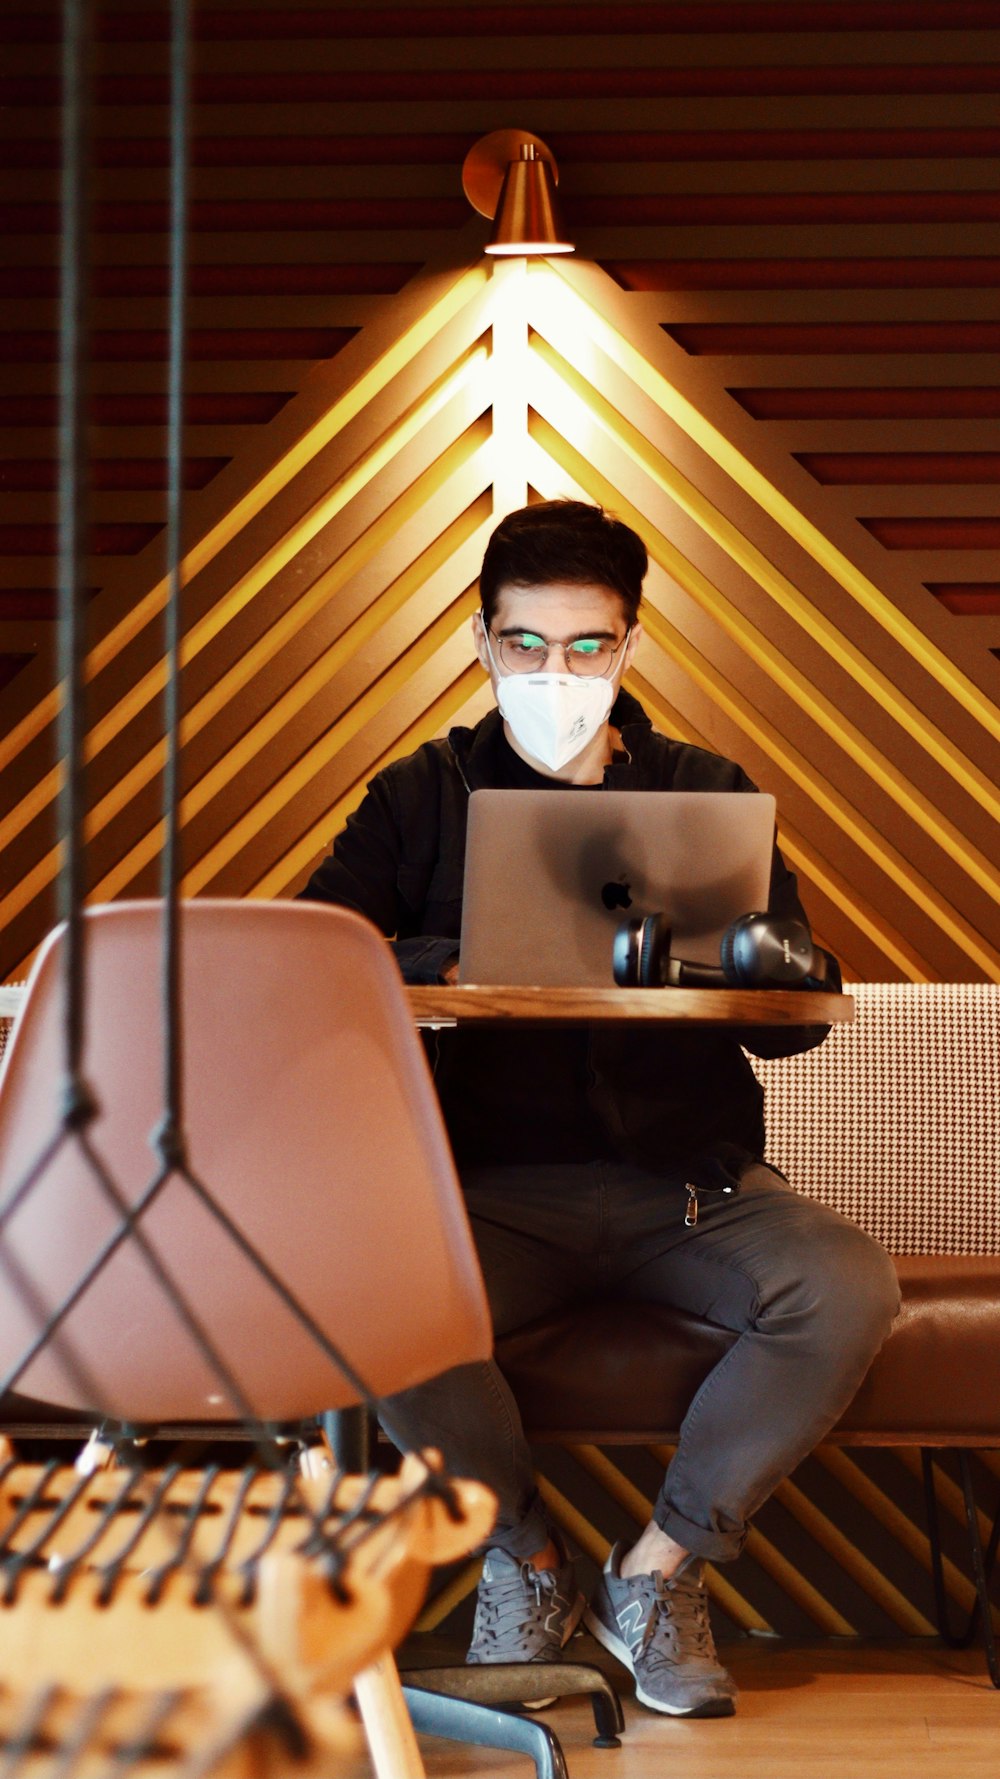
(677, 1627)
(507, 1606)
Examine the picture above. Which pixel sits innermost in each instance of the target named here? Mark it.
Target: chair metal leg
(510, 1683)
(983, 1563)
(460, 1720)
(347, 1433)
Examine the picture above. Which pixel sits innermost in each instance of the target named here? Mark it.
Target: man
(579, 1149)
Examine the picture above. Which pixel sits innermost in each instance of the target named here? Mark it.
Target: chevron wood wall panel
(840, 1550)
(777, 353)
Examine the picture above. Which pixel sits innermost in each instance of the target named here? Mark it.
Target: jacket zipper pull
(691, 1214)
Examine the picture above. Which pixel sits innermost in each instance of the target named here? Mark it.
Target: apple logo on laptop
(617, 894)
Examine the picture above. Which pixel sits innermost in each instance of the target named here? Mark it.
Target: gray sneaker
(659, 1630)
(524, 1614)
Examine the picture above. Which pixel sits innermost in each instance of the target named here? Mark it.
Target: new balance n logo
(630, 1622)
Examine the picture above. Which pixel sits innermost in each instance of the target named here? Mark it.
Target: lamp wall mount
(511, 176)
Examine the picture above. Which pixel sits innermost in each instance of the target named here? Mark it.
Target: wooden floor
(824, 1711)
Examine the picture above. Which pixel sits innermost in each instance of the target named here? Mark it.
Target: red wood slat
(702, 339)
(524, 83)
(33, 602)
(569, 146)
(447, 149)
(831, 144)
(710, 209)
(113, 346)
(225, 408)
(935, 533)
(134, 25)
(978, 599)
(376, 279)
(41, 474)
(956, 403)
(857, 273)
(11, 665)
(845, 468)
(236, 217)
(27, 602)
(102, 540)
(702, 209)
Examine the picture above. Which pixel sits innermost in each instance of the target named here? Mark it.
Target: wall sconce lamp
(511, 176)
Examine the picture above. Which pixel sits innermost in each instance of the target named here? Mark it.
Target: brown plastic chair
(309, 1116)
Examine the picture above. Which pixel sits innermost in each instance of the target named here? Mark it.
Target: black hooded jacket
(666, 1097)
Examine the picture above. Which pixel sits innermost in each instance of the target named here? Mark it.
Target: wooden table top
(478, 1003)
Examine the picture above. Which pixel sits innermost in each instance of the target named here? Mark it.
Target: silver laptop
(551, 875)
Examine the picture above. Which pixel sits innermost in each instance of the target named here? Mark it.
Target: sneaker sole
(615, 1646)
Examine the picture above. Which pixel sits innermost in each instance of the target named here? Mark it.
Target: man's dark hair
(564, 540)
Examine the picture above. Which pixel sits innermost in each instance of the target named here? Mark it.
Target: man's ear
(630, 647)
(479, 640)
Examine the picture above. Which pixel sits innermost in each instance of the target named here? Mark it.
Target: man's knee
(837, 1276)
(854, 1284)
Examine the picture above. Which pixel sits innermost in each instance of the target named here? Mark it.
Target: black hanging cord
(168, 1138)
(77, 1106)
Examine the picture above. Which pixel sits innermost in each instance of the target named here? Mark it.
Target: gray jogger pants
(810, 1296)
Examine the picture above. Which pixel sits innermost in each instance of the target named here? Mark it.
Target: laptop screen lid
(551, 875)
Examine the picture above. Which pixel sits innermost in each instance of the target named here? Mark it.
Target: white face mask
(553, 716)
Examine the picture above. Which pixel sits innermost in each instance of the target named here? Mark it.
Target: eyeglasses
(589, 656)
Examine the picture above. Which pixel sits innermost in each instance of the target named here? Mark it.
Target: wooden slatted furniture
(306, 1232)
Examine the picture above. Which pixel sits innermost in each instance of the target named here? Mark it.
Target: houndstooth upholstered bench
(892, 1121)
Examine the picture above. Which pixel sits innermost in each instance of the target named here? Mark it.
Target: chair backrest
(893, 1119)
(311, 1118)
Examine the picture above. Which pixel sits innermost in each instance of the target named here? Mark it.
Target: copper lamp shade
(511, 176)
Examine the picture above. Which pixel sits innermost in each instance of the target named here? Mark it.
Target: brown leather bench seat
(626, 1373)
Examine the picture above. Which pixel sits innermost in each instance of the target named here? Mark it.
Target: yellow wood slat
(853, 1561)
(285, 871)
(461, 382)
(569, 313)
(876, 1502)
(200, 872)
(574, 1523)
(370, 384)
(255, 659)
(354, 720)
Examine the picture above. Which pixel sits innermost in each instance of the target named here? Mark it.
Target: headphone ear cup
(726, 957)
(765, 951)
(738, 953)
(625, 954)
(654, 950)
(640, 952)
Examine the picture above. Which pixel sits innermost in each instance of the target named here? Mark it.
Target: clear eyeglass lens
(529, 653)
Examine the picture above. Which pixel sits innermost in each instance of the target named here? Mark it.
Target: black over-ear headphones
(757, 951)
